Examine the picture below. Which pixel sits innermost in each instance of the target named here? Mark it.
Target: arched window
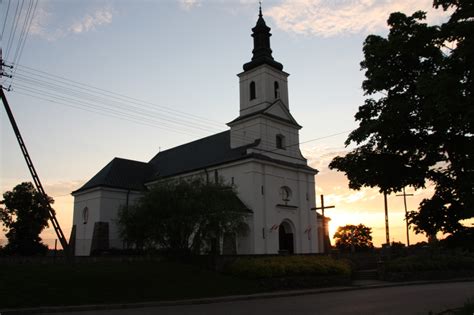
(85, 215)
(276, 89)
(280, 141)
(253, 95)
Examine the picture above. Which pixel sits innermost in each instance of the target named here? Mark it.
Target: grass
(33, 285)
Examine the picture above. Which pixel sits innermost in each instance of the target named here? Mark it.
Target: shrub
(287, 266)
(439, 262)
(463, 239)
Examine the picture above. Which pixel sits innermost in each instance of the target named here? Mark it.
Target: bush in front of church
(183, 217)
(288, 266)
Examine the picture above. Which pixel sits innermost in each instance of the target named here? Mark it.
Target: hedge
(288, 266)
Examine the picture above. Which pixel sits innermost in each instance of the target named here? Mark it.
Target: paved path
(412, 299)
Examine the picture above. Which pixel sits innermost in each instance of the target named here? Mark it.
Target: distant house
(259, 154)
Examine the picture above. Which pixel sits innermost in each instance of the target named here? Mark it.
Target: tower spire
(262, 53)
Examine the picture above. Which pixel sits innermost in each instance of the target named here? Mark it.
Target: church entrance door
(285, 237)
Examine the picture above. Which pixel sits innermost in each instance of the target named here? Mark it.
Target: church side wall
(111, 202)
(85, 226)
(103, 205)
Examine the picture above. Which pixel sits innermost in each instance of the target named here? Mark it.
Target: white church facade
(259, 155)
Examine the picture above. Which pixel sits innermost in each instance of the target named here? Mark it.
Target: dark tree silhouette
(418, 123)
(183, 216)
(24, 216)
(353, 237)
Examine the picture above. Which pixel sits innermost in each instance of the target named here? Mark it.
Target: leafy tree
(183, 216)
(24, 216)
(353, 237)
(418, 123)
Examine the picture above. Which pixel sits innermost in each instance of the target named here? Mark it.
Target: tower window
(85, 215)
(252, 91)
(276, 88)
(280, 141)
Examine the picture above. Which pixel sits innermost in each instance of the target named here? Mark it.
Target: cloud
(189, 4)
(327, 18)
(89, 22)
(39, 25)
(43, 24)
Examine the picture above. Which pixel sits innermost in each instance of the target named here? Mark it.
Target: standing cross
(322, 208)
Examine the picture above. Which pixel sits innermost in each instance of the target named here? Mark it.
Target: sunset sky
(177, 62)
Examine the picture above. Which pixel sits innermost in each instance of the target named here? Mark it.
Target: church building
(259, 155)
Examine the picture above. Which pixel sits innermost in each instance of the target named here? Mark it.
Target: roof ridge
(188, 143)
(128, 160)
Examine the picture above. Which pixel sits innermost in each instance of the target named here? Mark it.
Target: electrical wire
(5, 22)
(13, 29)
(91, 89)
(27, 31)
(73, 91)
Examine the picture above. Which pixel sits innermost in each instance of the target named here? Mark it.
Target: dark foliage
(353, 238)
(24, 216)
(463, 240)
(418, 123)
(183, 217)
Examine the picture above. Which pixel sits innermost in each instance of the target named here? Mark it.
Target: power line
(5, 22)
(104, 112)
(46, 78)
(23, 29)
(123, 106)
(27, 31)
(65, 90)
(13, 29)
(69, 89)
(112, 94)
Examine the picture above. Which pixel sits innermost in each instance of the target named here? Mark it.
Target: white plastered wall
(103, 205)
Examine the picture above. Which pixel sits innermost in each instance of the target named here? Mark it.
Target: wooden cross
(405, 195)
(322, 208)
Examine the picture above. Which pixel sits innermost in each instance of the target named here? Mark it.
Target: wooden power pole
(387, 233)
(405, 195)
(322, 208)
(29, 163)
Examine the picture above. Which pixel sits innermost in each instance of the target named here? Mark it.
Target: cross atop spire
(262, 53)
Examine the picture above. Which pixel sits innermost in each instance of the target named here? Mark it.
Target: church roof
(290, 120)
(199, 154)
(120, 173)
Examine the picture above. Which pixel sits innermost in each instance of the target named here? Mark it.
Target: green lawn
(32, 285)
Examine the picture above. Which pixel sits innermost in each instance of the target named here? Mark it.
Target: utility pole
(30, 165)
(405, 195)
(322, 208)
(387, 234)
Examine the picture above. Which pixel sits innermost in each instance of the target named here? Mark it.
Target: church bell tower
(263, 80)
(264, 120)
